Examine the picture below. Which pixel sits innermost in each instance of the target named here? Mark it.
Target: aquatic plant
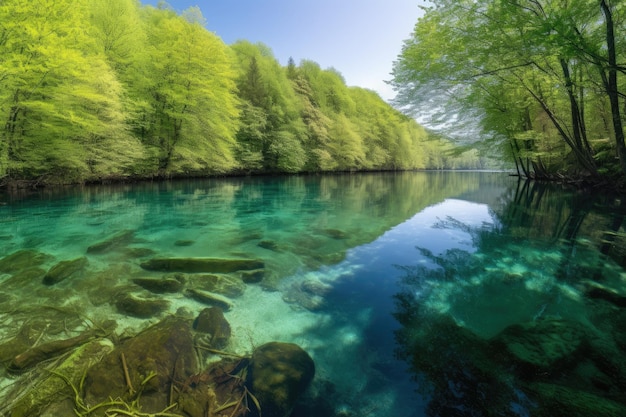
(117, 406)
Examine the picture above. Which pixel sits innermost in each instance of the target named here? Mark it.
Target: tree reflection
(520, 324)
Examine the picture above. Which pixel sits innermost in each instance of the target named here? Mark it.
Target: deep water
(432, 293)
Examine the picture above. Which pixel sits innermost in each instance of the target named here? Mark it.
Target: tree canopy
(540, 79)
(110, 89)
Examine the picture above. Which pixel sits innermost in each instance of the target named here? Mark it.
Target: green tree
(59, 99)
(192, 116)
(516, 65)
(272, 131)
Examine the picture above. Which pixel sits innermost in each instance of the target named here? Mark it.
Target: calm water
(441, 294)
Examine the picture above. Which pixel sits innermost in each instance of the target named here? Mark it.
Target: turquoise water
(415, 293)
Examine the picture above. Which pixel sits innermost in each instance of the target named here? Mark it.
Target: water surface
(415, 293)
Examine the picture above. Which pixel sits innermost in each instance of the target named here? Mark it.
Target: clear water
(419, 275)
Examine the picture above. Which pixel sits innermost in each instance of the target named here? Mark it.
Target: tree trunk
(611, 86)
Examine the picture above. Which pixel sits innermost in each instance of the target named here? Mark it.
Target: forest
(106, 90)
(542, 81)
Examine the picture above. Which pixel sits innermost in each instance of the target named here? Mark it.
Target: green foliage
(192, 109)
(101, 89)
(60, 100)
(533, 78)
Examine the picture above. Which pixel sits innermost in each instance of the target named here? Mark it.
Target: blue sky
(359, 38)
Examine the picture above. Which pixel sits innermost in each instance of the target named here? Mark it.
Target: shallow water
(400, 286)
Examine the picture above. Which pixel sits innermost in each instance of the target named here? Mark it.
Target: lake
(416, 294)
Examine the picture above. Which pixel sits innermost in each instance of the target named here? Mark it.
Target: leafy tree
(192, 115)
(270, 105)
(59, 99)
(532, 72)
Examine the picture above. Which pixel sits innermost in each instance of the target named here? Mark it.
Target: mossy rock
(138, 252)
(118, 240)
(64, 270)
(269, 245)
(220, 284)
(278, 375)
(159, 285)
(40, 353)
(543, 345)
(23, 259)
(140, 307)
(24, 339)
(24, 278)
(51, 388)
(597, 291)
(216, 329)
(209, 298)
(335, 234)
(252, 277)
(155, 359)
(556, 400)
(195, 265)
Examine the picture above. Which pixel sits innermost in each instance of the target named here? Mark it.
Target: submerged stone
(53, 387)
(113, 242)
(336, 234)
(209, 298)
(544, 344)
(23, 259)
(597, 291)
(24, 278)
(557, 400)
(140, 307)
(184, 243)
(278, 375)
(138, 252)
(191, 265)
(152, 363)
(40, 353)
(64, 270)
(252, 277)
(159, 285)
(220, 284)
(212, 322)
(269, 245)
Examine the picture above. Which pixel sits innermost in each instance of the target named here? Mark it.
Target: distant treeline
(92, 90)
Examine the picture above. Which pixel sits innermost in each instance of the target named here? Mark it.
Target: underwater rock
(184, 243)
(23, 259)
(315, 287)
(191, 265)
(308, 294)
(40, 353)
(556, 400)
(64, 270)
(252, 277)
(52, 388)
(543, 345)
(138, 252)
(24, 278)
(23, 340)
(335, 234)
(208, 298)
(218, 391)
(220, 284)
(212, 322)
(159, 285)
(119, 239)
(278, 375)
(150, 363)
(140, 307)
(597, 291)
(269, 245)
